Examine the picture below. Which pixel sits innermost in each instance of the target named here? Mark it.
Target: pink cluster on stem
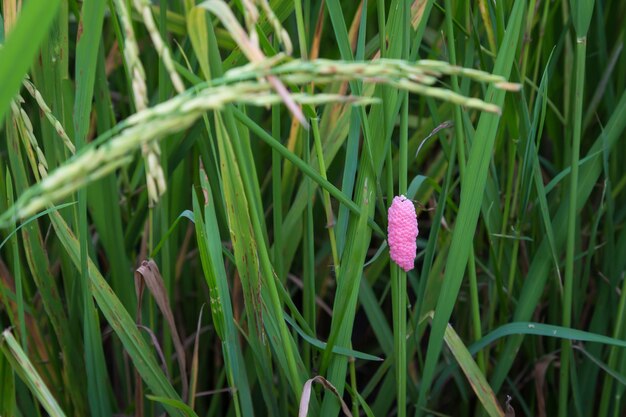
(402, 232)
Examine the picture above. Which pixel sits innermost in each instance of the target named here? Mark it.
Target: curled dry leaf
(306, 396)
(148, 273)
(510, 411)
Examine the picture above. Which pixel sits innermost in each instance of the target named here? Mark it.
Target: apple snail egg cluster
(402, 232)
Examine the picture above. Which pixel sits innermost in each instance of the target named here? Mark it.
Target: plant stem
(581, 51)
(330, 218)
(398, 277)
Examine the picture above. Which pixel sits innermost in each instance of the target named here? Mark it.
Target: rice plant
(207, 208)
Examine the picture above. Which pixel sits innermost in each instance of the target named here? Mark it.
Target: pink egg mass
(402, 232)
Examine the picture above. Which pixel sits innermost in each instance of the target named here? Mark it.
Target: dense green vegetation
(194, 195)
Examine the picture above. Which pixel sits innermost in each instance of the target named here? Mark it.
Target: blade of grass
(19, 292)
(471, 195)
(473, 373)
(277, 198)
(86, 55)
(539, 268)
(304, 167)
(308, 248)
(246, 249)
(148, 274)
(7, 390)
(398, 276)
(247, 237)
(17, 54)
(344, 309)
(237, 180)
(542, 329)
(337, 349)
(193, 377)
(103, 197)
(22, 365)
(177, 404)
(605, 400)
(582, 12)
(39, 266)
(118, 318)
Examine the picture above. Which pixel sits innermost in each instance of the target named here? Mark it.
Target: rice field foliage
(194, 200)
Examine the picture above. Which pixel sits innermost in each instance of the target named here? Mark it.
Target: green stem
(308, 249)
(353, 383)
(19, 292)
(304, 167)
(277, 198)
(382, 32)
(330, 218)
(581, 51)
(458, 130)
(475, 306)
(398, 281)
(300, 25)
(614, 356)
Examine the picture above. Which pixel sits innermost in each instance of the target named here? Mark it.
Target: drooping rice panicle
(143, 129)
(25, 128)
(143, 6)
(154, 172)
(58, 127)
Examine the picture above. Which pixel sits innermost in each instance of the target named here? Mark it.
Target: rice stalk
(144, 128)
(155, 179)
(143, 6)
(56, 124)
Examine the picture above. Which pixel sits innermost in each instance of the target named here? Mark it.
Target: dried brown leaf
(148, 273)
(306, 396)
